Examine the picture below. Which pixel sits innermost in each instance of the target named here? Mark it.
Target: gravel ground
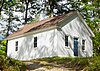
(45, 67)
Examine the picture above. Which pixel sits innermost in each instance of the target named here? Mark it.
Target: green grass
(90, 64)
(9, 64)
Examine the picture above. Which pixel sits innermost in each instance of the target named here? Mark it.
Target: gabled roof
(53, 21)
(41, 24)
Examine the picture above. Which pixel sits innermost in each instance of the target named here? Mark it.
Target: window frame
(16, 46)
(76, 39)
(66, 40)
(35, 42)
(83, 44)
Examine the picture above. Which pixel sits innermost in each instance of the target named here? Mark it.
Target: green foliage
(34, 7)
(85, 1)
(85, 64)
(87, 10)
(96, 41)
(9, 64)
(3, 47)
(94, 64)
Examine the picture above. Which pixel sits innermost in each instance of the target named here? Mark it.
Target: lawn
(86, 64)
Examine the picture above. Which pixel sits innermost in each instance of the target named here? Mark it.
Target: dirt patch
(57, 64)
(44, 66)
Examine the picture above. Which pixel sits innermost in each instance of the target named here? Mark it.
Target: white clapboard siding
(26, 50)
(51, 42)
(74, 28)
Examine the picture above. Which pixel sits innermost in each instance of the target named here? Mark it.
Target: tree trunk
(1, 6)
(26, 12)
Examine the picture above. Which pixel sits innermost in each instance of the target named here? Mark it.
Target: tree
(1, 5)
(3, 47)
(8, 10)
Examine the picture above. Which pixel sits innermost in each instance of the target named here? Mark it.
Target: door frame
(77, 46)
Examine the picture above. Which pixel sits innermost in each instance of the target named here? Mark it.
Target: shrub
(95, 64)
(9, 64)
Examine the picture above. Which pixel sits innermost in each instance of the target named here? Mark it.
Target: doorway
(75, 46)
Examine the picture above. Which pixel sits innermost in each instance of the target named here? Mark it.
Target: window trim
(83, 44)
(66, 40)
(16, 46)
(35, 42)
(75, 38)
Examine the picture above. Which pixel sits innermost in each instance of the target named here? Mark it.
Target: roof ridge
(52, 21)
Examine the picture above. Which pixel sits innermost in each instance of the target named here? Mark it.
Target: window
(16, 44)
(35, 41)
(83, 44)
(66, 41)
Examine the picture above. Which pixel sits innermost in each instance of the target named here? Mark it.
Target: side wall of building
(26, 51)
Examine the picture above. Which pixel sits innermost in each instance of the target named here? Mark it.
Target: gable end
(85, 24)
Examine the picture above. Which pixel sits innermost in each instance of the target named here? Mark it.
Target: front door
(75, 46)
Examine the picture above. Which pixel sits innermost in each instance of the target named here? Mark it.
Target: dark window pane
(75, 39)
(35, 41)
(16, 45)
(66, 41)
(83, 44)
(16, 48)
(35, 44)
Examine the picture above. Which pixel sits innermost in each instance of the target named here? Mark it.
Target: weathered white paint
(52, 42)
(26, 50)
(74, 28)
